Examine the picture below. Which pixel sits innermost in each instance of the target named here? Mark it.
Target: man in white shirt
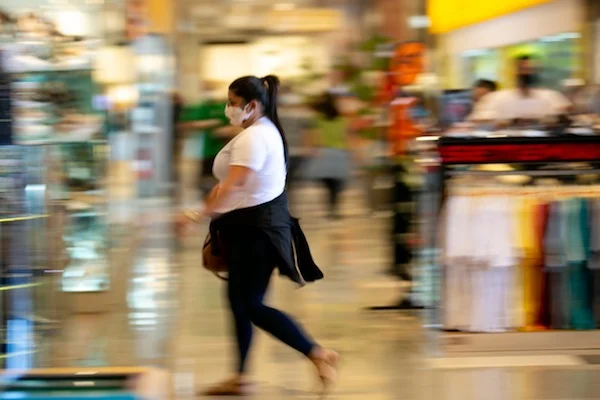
(526, 102)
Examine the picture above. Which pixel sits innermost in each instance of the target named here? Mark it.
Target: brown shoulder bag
(214, 263)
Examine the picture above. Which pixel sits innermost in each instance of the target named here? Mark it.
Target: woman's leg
(241, 319)
(251, 263)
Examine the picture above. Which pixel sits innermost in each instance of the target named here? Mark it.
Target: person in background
(330, 140)
(482, 88)
(525, 102)
(206, 119)
(176, 142)
(296, 120)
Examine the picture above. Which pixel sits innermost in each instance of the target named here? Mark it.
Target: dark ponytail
(264, 90)
(272, 84)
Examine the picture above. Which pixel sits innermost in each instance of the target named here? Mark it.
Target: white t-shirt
(260, 148)
(511, 104)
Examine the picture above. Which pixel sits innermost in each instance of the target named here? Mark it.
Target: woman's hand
(185, 222)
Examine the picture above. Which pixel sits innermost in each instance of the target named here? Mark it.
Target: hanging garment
(495, 258)
(530, 276)
(483, 311)
(579, 276)
(594, 225)
(541, 224)
(594, 257)
(596, 296)
(457, 255)
(556, 267)
(506, 259)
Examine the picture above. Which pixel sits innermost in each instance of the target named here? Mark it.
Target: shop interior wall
(531, 24)
(285, 56)
(393, 18)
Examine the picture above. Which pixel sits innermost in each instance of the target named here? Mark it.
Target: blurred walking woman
(330, 138)
(249, 211)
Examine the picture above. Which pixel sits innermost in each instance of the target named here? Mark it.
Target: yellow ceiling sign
(448, 15)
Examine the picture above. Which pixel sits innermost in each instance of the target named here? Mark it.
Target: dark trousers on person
(251, 259)
(334, 189)
(404, 214)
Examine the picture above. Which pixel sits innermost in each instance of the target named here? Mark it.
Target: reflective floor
(172, 314)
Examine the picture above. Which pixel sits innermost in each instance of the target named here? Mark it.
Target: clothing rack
(532, 153)
(543, 157)
(550, 172)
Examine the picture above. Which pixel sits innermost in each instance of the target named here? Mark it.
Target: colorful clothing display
(521, 262)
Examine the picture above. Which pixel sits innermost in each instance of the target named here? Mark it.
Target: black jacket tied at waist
(284, 232)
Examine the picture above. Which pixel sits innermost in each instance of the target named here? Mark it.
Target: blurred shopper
(330, 140)
(526, 102)
(482, 88)
(250, 216)
(296, 121)
(176, 142)
(205, 118)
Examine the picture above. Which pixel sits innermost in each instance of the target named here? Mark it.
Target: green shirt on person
(333, 133)
(205, 111)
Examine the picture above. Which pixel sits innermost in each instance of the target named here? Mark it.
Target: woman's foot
(231, 387)
(326, 361)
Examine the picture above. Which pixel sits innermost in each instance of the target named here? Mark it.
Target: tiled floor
(174, 317)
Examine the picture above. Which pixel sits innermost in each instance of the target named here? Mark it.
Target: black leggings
(334, 188)
(251, 259)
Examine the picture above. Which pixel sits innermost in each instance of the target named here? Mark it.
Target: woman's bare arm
(235, 180)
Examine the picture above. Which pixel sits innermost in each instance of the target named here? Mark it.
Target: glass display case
(23, 253)
(58, 123)
(53, 236)
(79, 189)
(54, 104)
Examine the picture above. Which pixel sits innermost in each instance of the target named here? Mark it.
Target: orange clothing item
(530, 275)
(403, 128)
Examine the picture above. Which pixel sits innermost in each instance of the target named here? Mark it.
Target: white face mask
(237, 116)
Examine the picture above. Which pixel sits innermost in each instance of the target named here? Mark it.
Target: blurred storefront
(74, 81)
(394, 17)
(483, 43)
(298, 45)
